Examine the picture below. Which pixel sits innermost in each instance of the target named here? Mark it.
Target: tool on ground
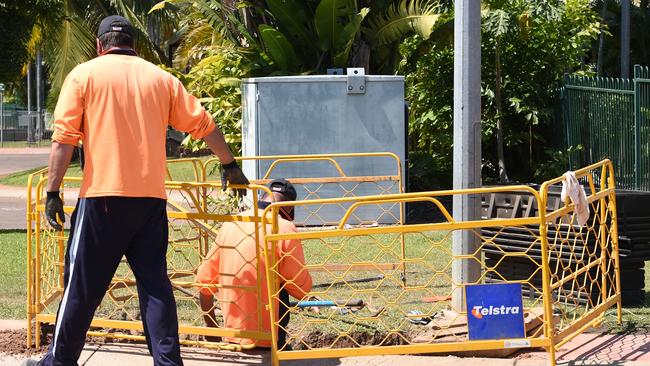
(417, 317)
(327, 303)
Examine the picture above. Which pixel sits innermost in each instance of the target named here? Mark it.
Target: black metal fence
(610, 118)
(30, 128)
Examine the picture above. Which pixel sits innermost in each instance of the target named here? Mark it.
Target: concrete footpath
(593, 349)
(136, 354)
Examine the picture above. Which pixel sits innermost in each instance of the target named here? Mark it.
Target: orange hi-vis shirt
(120, 107)
(233, 264)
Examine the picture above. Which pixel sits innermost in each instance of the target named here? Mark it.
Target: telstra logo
(479, 311)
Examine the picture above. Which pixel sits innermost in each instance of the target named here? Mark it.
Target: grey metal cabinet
(324, 114)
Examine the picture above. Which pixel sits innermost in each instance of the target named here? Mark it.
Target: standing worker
(120, 105)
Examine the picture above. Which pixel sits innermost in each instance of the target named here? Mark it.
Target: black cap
(114, 23)
(285, 187)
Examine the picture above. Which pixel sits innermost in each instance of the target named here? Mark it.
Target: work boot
(30, 362)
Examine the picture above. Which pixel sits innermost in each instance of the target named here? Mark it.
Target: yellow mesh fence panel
(380, 286)
(387, 289)
(583, 259)
(197, 209)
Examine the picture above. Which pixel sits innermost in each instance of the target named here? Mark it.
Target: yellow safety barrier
(571, 276)
(197, 208)
(320, 176)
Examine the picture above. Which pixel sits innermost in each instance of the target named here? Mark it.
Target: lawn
(13, 294)
(178, 170)
(19, 179)
(15, 144)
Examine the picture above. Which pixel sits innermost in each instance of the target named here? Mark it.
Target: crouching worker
(232, 263)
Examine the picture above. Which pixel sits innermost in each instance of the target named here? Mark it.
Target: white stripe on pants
(73, 256)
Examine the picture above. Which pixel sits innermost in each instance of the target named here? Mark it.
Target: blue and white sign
(495, 311)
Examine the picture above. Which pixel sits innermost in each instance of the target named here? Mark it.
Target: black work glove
(231, 173)
(54, 207)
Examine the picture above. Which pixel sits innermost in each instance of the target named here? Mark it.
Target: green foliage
(216, 80)
(280, 37)
(65, 31)
(310, 36)
(347, 38)
(15, 23)
(327, 22)
(429, 79)
(556, 163)
(538, 42)
(639, 36)
(279, 48)
(72, 44)
(294, 21)
(403, 18)
(428, 172)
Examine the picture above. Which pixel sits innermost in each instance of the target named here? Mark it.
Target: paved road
(12, 213)
(15, 160)
(12, 199)
(13, 206)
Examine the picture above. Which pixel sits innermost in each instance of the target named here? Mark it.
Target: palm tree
(298, 36)
(64, 31)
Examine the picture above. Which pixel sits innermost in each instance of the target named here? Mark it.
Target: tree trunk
(361, 56)
(503, 175)
(625, 39)
(601, 40)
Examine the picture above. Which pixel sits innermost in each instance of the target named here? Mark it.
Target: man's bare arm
(60, 156)
(231, 172)
(218, 145)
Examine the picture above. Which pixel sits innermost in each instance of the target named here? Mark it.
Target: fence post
(2, 115)
(637, 127)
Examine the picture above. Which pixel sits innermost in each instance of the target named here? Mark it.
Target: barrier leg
(29, 329)
(38, 334)
(551, 355)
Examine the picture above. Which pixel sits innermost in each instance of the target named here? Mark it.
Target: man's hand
(232, 173)
(54, 207)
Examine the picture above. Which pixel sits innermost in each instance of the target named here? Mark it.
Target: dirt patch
(319, 339)
(13, 342)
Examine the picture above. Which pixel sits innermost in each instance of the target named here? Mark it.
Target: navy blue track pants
(103, 229)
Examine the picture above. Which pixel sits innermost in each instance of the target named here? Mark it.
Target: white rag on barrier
(574, 190)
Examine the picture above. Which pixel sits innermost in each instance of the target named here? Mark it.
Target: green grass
(178, 171)
(428, 276)
(634, 318)
(14, 144)
(19, 179)
(13, 294)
